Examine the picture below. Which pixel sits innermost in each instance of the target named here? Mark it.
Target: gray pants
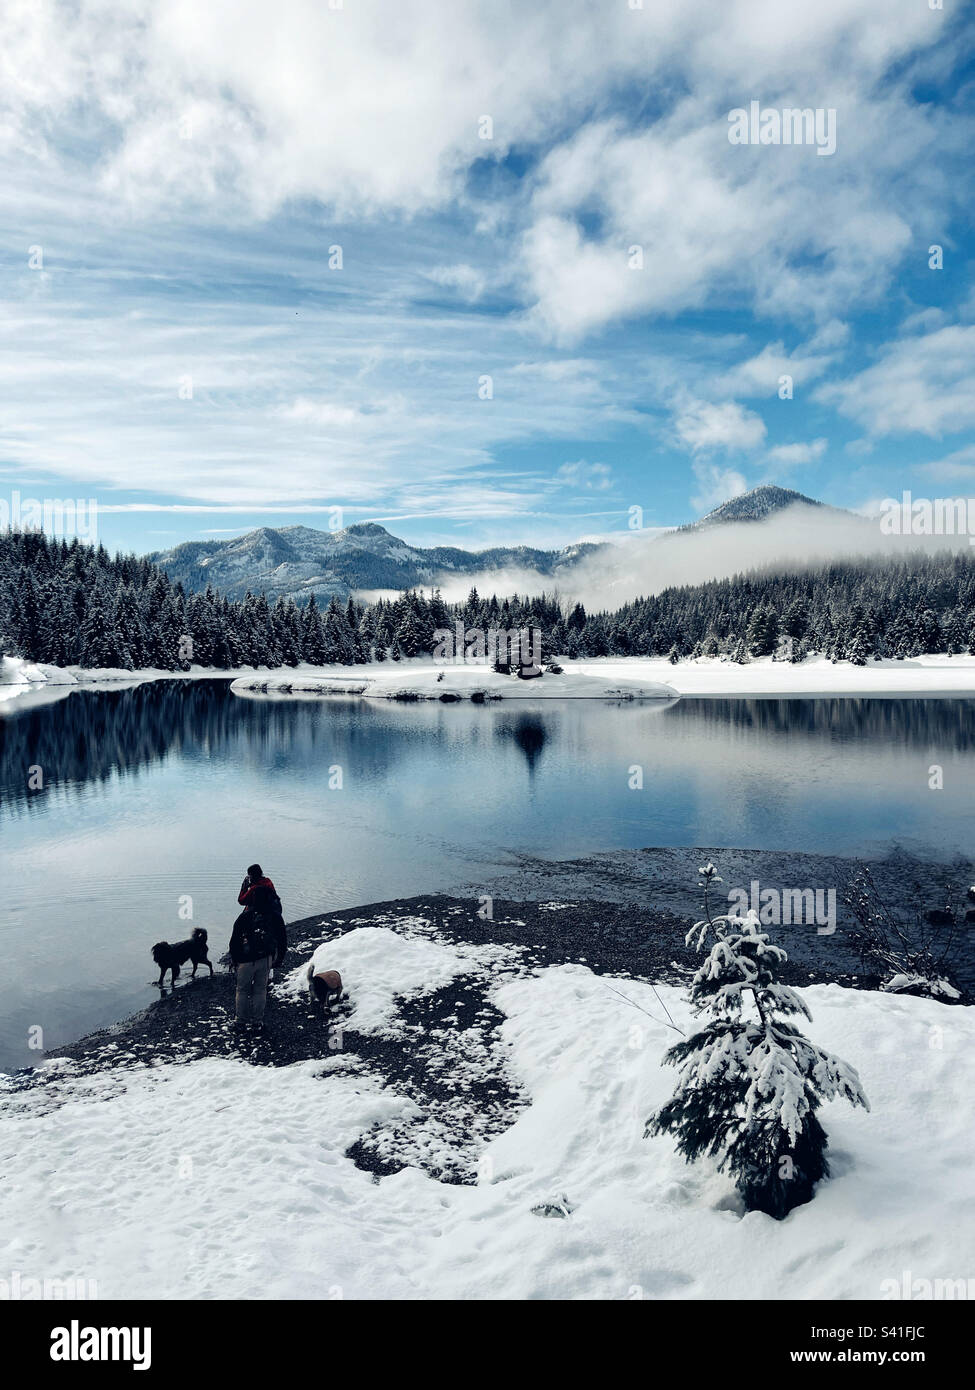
(252, 977)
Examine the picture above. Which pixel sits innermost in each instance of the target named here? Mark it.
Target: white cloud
(348, 405)
(704, 427)
(367, 107)
(760, 375)
(378, 108)
(795, 455)
(958, 466)
(595, 477)
(322, 413)
(829, 336)
(715, 485)
(779, 230)
(469, 282)
(923, 384)
(178, 127)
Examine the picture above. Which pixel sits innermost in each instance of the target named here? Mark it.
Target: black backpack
(255, 941)
(266, 903)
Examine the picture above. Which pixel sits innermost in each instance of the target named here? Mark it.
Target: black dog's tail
(199, 934)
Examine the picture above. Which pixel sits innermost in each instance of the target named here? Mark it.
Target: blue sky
(181, 350)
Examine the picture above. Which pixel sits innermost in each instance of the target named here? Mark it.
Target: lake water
(173, 788)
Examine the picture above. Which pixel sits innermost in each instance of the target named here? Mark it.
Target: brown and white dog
(325, 986)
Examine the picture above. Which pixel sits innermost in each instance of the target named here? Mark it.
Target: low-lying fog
(642, 563)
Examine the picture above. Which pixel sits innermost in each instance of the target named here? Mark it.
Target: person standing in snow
(258, 941)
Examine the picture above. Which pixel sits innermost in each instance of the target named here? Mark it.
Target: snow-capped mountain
(755, 505)
(298, 560)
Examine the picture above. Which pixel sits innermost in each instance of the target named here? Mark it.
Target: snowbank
(30, 683)
(19, 677)
(144, 1179)
(645, 1220)
(14, 670)
(379, 964)
(921, 675)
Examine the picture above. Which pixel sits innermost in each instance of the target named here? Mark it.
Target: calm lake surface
(172, 788)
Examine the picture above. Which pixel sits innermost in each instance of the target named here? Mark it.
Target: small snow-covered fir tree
(856, 652)
(750, 1083)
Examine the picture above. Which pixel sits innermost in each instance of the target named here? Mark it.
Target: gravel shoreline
(623, 912)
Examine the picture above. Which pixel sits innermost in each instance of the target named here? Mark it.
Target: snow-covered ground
(919, 675)
(219, 1179)
(604, 678)
(24, 683)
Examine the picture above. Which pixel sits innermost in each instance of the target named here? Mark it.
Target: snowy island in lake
(426, 680)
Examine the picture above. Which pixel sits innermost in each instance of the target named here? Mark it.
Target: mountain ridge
(295, 561)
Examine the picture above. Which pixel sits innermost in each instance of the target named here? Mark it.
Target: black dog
(172, 957)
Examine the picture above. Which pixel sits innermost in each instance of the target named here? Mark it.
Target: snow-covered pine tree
(856, 652)
(367, 633)
(439, 615)
(336, 638)
(795, 620)
(763, 632)
(312, 637)
(287, 637)
(750, 1083)
(409, 637)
